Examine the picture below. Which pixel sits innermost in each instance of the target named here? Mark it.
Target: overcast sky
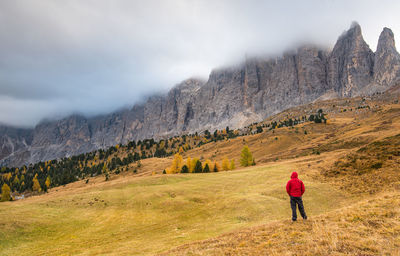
(95, 56)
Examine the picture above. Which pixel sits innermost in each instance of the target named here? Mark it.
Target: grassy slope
(152, 214)
(369, 227)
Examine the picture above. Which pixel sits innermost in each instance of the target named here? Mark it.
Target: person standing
(295, 189)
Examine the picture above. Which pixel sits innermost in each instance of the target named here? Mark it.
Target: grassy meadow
(148, 215)
(350, 168)
(368, 227)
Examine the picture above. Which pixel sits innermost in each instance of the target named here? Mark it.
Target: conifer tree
(216, 167)
(193, 164)
(105, 172)
(208, 161)
(16, 182)
(198, 168)
(232, 166)
(246, 158)
(36, 185)
(48, 182)
(189, 164)
(185, 169)
(225, 164)
(5, 193)
(206, 168)
(176, 163)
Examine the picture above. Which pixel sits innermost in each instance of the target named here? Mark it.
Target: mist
(95, 56)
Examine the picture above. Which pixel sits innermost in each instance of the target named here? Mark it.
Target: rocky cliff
(387, 60)
(233, 96)
(350, 64)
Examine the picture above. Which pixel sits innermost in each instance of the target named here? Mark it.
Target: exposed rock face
(351, 63)
(387, 60)
(233, 96)
(13, 140)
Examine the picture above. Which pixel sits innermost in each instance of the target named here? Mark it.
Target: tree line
(194, 165)
(41, 176)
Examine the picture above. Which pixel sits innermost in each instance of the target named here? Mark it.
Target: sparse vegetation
(362, 167)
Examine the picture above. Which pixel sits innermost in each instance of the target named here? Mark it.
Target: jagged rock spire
(386, 40)
(234, 96)
(387, 60)
(350, 63)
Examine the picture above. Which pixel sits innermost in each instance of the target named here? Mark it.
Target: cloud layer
(95, 56)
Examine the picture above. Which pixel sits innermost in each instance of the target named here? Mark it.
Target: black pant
(299, 202)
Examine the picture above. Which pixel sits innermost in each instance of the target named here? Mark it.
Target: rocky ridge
(233, 96)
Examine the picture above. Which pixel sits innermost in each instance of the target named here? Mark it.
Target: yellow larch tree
(225, 164)
(176, 164)
(5, 193)
(48, 182)
(7, 176)
(193, 164)
(16, 181)
(246, 158)
(189, 164)
(162, 144)
(232, 166)
(36, 185)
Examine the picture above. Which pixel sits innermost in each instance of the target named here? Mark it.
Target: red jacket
(295, 187)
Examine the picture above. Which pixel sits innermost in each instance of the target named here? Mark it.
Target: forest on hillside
(39, 177)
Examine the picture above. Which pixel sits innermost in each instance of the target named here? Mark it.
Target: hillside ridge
(234, 97)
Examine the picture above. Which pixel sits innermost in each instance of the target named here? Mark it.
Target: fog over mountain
(93, 57)
(232, 96)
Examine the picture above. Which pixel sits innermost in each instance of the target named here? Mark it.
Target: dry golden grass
(144, 214)
(370, 169)
(150, 214)
(369, 227)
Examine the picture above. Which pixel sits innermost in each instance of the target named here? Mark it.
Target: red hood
(294, 175)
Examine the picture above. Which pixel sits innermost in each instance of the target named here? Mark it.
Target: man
(295, 189)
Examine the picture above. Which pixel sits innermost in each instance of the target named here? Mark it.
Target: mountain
(387, 60)
(233, 96)
(351, 63)
(14, 140)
